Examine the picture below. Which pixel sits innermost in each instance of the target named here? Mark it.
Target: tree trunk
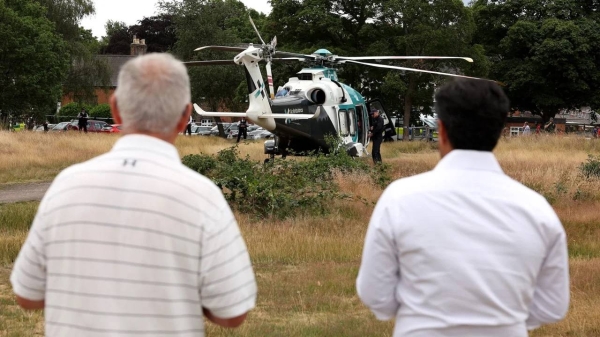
(215, 106)
(408, 106)
(220, 127)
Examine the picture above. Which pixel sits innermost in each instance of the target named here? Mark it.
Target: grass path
(10, 193)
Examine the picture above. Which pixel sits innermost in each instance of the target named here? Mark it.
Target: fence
(416, 133)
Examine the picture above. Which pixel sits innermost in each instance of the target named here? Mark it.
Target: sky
(131, 11)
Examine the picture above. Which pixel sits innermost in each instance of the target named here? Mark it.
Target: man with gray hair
(133, 243)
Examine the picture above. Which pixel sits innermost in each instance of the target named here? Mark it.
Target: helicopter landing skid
(273, 148)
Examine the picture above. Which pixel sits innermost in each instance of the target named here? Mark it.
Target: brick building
(114, 62)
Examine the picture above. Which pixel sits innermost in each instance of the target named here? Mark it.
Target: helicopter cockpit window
(352, 121)
(343, 119)
(305, 76)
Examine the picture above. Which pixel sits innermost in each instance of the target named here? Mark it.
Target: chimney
(138, 47)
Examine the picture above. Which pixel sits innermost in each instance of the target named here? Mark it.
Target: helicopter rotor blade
(209, 63)
(274, 42)
(361, 58)
(221, 48)
(416, 70)
(256, 30)
(295, 55)
(289, 59)
(231, 63)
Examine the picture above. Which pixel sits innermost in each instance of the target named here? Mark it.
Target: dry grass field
(306, 266)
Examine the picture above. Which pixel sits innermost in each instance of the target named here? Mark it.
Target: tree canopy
(158, 31)
(546, 53)
(33, 59)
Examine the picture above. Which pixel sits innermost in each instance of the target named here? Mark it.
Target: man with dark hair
(376, 135)
(490, 256)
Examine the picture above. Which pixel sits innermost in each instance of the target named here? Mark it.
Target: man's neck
(167, 138)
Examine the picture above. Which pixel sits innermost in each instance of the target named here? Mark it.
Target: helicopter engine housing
(316, 96)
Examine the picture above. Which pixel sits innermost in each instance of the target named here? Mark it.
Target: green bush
(282, 188)
(73, 109)
(101, 111)
(591, 168)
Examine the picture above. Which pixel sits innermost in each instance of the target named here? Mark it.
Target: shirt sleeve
(379, 272)
(551, 296)
(227, 284)
(28, 276)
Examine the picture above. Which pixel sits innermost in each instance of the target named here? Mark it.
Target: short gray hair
(152, 93)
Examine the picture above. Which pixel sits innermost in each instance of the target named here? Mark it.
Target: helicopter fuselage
(343, 113)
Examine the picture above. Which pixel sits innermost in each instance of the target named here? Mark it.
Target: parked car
(232, 130)
(60, 127)
(112, 128)
(259, 133)
(251, 128)
(92, 125)
(215, 130)
(200, 130)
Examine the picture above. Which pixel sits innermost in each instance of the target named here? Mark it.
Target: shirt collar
(469, 160)
(139, 142)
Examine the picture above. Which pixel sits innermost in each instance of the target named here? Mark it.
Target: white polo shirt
(464, 250)
(133, 243)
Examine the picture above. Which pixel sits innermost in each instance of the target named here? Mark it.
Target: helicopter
(311, 106)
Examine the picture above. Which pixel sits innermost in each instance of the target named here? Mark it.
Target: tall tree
(547, 53)
(66, 15)
(117, 40)
(428, 28)
(82, 47)
(203, 23)
(158, 31)
(33, 59)
(88, 72)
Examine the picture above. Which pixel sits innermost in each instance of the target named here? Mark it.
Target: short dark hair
(473, 112)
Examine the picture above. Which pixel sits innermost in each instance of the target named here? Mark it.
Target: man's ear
(182, 125)
(441, 131)
(114, 110)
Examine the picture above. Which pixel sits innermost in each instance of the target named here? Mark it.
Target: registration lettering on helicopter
(294, 111)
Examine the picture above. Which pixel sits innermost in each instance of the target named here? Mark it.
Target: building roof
(115, 62)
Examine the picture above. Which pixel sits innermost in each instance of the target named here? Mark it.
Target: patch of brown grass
(38, 156)
(306, 266)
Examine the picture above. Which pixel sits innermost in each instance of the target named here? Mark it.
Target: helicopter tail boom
(203, 113)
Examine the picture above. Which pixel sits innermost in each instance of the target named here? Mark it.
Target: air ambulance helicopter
(311, 106)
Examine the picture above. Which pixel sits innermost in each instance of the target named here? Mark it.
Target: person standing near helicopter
(376, 135)
(82, 120)
(243, 128)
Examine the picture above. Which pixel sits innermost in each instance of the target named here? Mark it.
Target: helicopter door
(361, 126)
(352, 124)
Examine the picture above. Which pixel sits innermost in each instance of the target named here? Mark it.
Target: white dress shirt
(464, 250)
(133, 243)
